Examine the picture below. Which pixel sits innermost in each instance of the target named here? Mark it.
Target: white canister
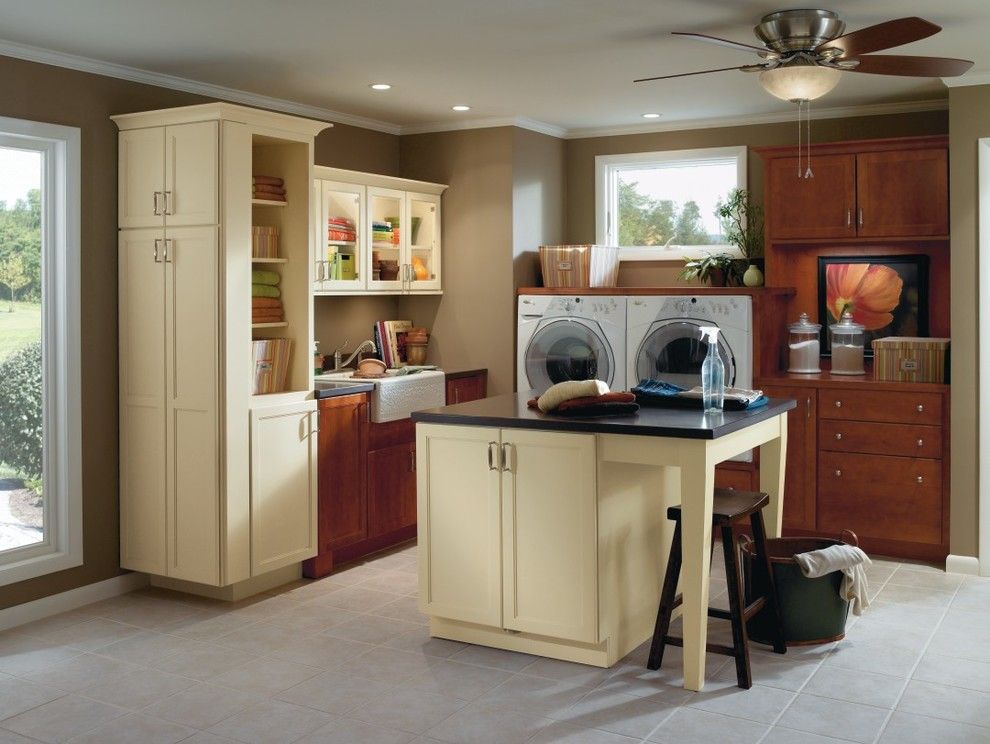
(805, 346)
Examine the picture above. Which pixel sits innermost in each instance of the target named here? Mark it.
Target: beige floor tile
(627, 715)
(496, 658)
(93, 634)
(562, 733)
(482, 724)
(781, 735)
(946, 670)
(873, 655)
(354, 574)
(320, 651)
(855, 686)
(145, 648)
(347, 731)
(56, 623)
(691, 726)
(263, 607)
(893, 615)
(962, 642)
(208, 628)
(393, 582)
(79, 672)
(203, 705)
(370, 629)
(406, 609)
(566, 670)
(305, 590)
(419, 640)
(761, 704)
(451, 678)
(9, 737)
(413, 711)
(837, 718)
(311, 618)
(17, 696)
(134, 729)
(271, 722)
(266, 676)
(973, 594)
(334, 692)
(390, 560)
(387, 665)
(909, 575)
(541, 697)
(150, 614)
(137, 689)
(915, 596)
(202, 661)
(22, 655)
(62, 719)
(904, 728)
(952, 703)
(258, 638)
(773, 671)
(356, 599)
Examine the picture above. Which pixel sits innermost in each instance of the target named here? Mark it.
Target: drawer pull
(921, 408)
(838, 435)
(921, 442)
(838, 404)
(838, 473)
(921, 479)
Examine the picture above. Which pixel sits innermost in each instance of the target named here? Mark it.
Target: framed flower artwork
(887, 294)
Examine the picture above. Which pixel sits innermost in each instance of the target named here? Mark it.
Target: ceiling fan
(804, 51)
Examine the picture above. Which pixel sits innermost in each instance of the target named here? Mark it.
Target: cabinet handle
(506, 450)
(491, 457)
(921, 408)
(838, 404)
(849, 218)
(158, 242)
(838, 473)
(838, 436)
(807, 409)
(412, 461)
(157, 212)
(860, 216)
(168, 201)
(168, 246)
(921, 479)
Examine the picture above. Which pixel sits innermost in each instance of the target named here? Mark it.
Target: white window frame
(62, 546)
(607, 168)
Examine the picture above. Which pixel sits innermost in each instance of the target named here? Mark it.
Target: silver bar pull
(157, 210)
(860, 216)
(849, 218)
(158, 242)
(491, 457)
(168, 247)
(168, 201)
(412, 461)
(506, 451)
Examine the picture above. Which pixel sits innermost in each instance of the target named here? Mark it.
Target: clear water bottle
(712, 373)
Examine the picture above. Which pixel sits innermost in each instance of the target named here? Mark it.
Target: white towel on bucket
(846, 558)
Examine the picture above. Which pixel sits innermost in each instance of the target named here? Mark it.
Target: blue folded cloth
(652, 392)
(656, 388)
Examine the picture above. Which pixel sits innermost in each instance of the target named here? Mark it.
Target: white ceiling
(568, 63)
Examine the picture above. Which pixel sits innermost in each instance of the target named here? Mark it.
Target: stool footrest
(712, 648)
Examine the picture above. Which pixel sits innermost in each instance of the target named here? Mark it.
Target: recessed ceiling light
(461, 107)
(651, 116)
(380, 86)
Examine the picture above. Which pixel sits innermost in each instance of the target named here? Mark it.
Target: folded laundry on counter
(267, 181)
(609, 404)
(265, 290)
(268, 302)
(265, 277)
(562, 391)
(848, 559)
(664, 394)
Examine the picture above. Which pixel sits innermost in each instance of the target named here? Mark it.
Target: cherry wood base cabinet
(463, 387)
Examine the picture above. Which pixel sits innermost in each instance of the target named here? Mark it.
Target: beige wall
(60, 96)
(969, 120)
(581, 155)
(538, 198)
(473, 322)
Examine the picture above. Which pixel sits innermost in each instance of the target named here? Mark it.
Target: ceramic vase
(753, 276)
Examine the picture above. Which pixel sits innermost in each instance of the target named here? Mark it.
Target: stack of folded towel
(341, 228)
(268, 187)
(585, 398)
(266, 305)
(381, 232)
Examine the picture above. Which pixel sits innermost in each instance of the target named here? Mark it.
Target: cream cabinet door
(459, 523)
(141, 276)
(283, 485)
(141, 187)
(192, 418)
(191, 193)
(424, 242)
(549, 528)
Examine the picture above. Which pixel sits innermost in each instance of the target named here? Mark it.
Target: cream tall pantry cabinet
(217, 484)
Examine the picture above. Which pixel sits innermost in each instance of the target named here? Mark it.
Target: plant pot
(718, 278)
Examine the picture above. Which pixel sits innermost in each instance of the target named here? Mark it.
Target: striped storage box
(271, 364)
(579, 265)
(910, 359)
(264, 242)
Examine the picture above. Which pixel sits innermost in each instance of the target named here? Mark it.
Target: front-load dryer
(570, 337)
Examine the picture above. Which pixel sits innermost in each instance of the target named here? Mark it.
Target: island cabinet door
(549, 528)
(459, 523)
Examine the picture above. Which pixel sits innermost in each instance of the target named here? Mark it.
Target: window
(40, 489)
(660, 206)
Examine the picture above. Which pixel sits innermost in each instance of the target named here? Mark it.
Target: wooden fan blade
(686, 74)
(896, 64)
(720, 42)
(882, 36)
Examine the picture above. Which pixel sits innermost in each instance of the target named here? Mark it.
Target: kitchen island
(548, 535)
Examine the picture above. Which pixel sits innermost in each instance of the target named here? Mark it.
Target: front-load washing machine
(570, 337)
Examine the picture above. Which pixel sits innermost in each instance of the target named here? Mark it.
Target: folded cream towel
(562, 391)
(846, 558)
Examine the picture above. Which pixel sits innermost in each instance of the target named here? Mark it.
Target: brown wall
(473, 322)
(538, 200)
(581, 155)
(969, 120)
(50, 94)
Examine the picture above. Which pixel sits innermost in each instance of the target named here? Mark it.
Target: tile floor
(348, 660)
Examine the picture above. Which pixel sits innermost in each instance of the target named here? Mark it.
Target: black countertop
(330, 390)
(510, 411)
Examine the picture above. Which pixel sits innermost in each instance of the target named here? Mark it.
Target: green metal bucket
(812, 610)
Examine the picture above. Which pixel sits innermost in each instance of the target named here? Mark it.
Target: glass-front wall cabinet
(341, 248)
(423, 272)
(387, 217)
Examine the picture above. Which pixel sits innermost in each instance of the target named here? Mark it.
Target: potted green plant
(718, 269)
(742, 224)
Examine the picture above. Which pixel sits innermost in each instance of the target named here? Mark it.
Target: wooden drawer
(894, 498)
(907, 440)
(880, 405)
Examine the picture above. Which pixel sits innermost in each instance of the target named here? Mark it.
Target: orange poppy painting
(888, 295)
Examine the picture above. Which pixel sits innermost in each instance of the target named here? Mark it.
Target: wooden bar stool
(729, 507)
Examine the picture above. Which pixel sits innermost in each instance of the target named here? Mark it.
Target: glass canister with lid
(847, 346)
(805, 346)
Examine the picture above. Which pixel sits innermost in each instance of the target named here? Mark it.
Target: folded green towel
(265, 290)
(265, 277)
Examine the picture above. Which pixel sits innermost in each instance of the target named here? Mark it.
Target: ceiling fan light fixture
(799, 82)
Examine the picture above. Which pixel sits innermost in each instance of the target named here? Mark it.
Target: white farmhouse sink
(397, 396)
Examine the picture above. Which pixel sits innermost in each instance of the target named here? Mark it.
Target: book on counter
(390, 338)
(271, 364)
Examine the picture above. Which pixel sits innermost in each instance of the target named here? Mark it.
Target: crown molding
(838, 112)
(487, 123)
(981, 78)
(233, 95)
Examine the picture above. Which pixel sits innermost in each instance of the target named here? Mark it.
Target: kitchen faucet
(338, 365)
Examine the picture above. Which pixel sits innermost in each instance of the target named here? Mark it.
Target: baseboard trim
(72, 599)
(962, 564)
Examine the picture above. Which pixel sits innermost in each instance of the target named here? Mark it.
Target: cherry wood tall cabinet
(863, 455)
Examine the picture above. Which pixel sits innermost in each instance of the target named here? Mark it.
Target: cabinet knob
(838, 473)
(921, 479)
(838, 435)
(838, 404)
(921, 442)
(921, 408)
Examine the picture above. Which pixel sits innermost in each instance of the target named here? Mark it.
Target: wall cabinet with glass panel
(375, 234)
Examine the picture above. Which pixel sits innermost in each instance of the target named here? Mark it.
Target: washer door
(673, 351)
(568, 349)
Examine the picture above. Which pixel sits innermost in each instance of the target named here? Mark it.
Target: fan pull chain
(799, 172)
(807, 140)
